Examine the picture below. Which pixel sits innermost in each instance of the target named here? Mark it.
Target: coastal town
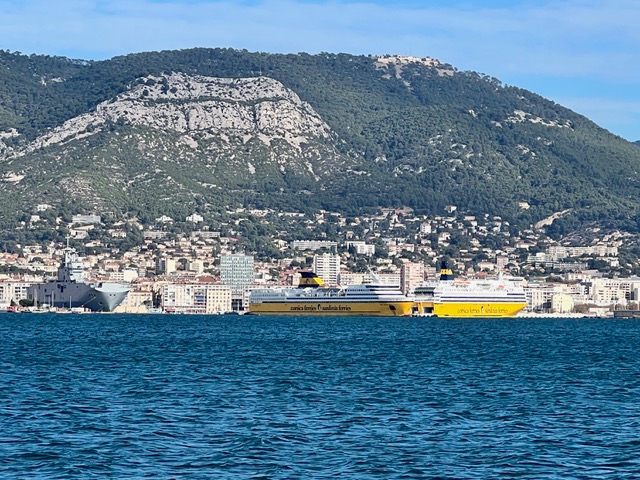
(190, 266)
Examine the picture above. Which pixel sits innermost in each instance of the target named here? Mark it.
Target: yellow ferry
(312, 298)
(476, 298)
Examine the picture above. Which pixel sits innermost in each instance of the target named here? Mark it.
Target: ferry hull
(477, 309)
(363, 309)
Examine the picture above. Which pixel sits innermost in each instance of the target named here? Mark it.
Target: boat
(312, 297)
(70, 291)
(451, 297)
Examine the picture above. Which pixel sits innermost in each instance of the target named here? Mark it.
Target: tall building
(327, 267)
(411, 276)
(166, 265)
(236, 271)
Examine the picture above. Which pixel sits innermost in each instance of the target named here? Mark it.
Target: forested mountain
(201, 130)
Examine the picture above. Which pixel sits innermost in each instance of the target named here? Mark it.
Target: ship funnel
(310, 280)
(445, 272)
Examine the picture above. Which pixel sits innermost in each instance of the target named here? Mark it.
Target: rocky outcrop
(398, 63)
(260, 108)
(6, 150)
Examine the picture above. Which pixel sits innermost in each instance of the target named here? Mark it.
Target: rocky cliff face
(221, 134)
(246, 108)
(377, 132)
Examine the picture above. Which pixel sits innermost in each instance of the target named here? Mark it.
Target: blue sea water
(162, 396)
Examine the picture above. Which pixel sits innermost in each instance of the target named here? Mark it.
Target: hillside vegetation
(203, 130)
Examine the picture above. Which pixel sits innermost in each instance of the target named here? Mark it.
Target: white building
(236, 271)
(539, 297)
(327, 267)
(383, 278)
(313, 245)
(203, 298)
(85, 219)
(195, 218)
(425, 228)
(348, 278)
(127, 275)
(195, 266)
(605, 291)
(362, 248)
(166, 265)
(558, 252)
(562, 303)
(13, 291)
(411, 276)
(204, 235)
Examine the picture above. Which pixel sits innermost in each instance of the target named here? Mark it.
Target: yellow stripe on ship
(369, 309)
(469, 309)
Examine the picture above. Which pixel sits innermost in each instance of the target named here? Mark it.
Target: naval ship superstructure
(70, 290)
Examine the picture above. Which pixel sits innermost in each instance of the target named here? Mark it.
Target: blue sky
(583, 54)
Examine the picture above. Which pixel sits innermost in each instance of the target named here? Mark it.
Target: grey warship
(69, 289)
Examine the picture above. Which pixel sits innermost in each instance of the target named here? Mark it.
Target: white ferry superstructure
(503, 297)
(313, 299)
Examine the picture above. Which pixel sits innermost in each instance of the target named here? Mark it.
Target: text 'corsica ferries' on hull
(450, 297)
(69, 290)
(312, 298)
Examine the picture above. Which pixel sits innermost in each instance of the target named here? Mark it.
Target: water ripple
(95, 396)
